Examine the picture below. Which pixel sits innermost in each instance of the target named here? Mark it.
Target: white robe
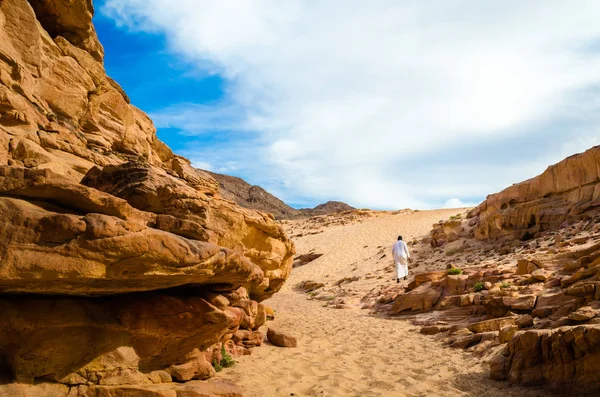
(401, 257)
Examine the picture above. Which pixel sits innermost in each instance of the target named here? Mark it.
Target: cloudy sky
(384, 104)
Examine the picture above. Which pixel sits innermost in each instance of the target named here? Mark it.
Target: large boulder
(217, 221)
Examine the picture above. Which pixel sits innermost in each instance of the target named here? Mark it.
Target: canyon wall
(121, 266)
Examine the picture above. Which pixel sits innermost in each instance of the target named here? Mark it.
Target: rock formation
(565, 359)
(545, 312)
(122, 268)
(566, 192)
(546, 308)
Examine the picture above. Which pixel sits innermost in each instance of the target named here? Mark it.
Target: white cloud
(457, 203)
(361, 101)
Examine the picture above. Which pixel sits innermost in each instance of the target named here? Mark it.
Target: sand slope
(346, 352)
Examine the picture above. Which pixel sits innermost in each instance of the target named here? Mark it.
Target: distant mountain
(255, 197)
(327, 208)
(252, 196)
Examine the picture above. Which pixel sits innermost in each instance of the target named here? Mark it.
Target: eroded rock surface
(568, 191)
(548, 325)
(565, 359)
(109, 241)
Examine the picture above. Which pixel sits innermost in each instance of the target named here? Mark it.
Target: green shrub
(217, 366)
(455, 271)
(505, 285)
(226, 360)
(478, 287)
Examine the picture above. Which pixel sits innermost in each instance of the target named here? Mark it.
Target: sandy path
(349, 353)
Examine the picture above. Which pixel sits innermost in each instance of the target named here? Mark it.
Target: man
(401, 257)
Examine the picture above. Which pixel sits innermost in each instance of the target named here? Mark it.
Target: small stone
(281, 339)
(525, 321)
(434, 329)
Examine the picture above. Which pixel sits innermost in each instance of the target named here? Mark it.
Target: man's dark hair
(399, 238)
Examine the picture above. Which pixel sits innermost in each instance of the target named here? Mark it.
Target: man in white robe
(401, 257)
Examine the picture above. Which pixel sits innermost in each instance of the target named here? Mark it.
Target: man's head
(399, 238)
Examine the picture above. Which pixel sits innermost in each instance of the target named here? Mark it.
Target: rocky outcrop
(544, 309)
(566, 192)
(109, 241)
(564, 359)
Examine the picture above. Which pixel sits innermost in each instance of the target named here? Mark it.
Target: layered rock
(565, 359)
(566, 192)
(545, 310)
(121, 266)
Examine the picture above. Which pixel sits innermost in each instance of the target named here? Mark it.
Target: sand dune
(347, 352)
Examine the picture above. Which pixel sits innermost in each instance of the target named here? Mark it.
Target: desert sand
(348, 352)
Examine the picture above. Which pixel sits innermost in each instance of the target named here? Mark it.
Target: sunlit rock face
(566, 192)
(120, 264)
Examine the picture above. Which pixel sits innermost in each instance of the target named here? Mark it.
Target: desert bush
(216, 365)
(226, 360)
(455, 271)
(478, 287)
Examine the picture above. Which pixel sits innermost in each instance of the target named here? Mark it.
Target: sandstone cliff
(544, 309)
(121, 266)
(566, 192)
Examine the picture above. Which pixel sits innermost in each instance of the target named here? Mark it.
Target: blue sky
(385, 104)
(152, 76)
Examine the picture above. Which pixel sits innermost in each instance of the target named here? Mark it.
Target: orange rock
(492, 325)
(561, 193)
(564, 359)
(122, 262)
(420, 299)
(211, 388)
(248, 338)
(281, 339)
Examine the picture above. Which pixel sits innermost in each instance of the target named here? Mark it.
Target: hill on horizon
(255, 197)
